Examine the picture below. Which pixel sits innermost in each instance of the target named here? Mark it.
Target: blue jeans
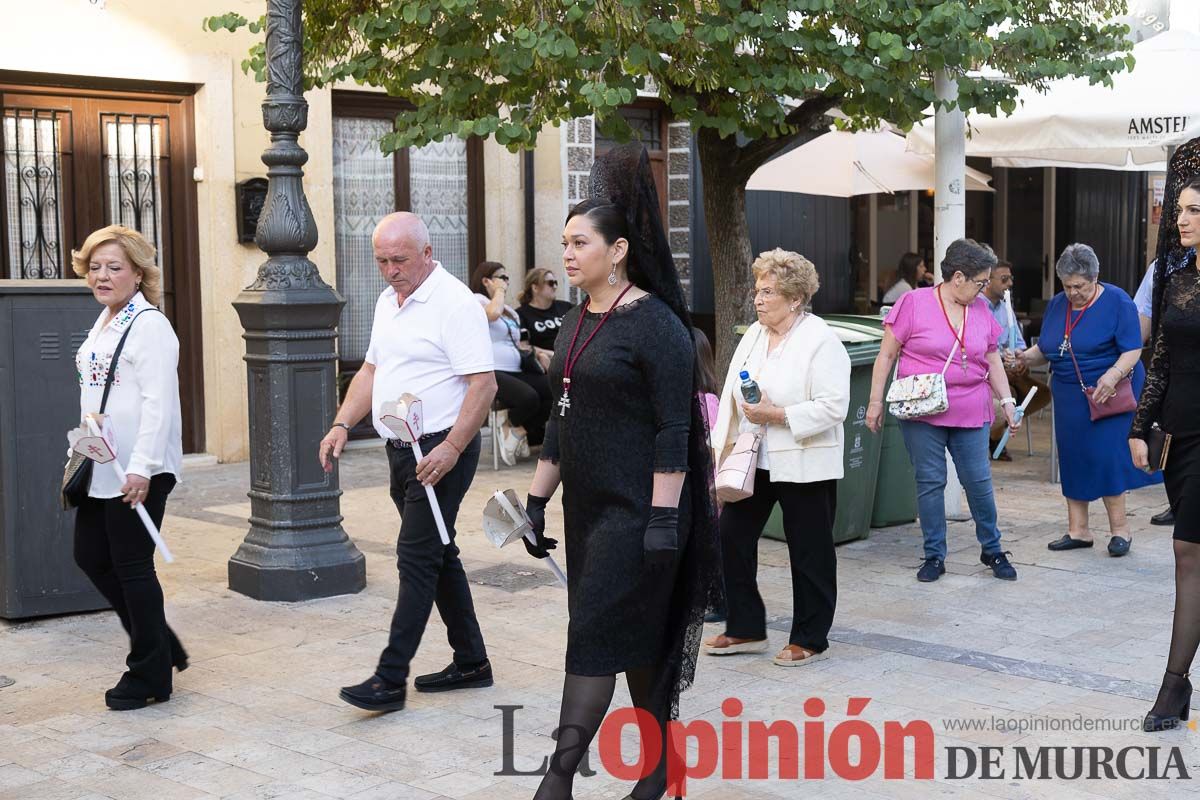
(927, 446)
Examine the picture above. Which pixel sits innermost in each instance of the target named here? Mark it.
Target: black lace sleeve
(1149, 407)
(550, 442)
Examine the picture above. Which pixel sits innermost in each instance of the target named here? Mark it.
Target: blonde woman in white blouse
(111, 545)
(803, 373)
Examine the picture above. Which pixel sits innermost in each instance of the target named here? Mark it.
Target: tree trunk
(728, 241)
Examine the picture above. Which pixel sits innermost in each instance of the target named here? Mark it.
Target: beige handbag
(735, 477)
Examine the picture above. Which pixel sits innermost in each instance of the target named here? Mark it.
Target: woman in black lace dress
(627, 443)
(1170, 399)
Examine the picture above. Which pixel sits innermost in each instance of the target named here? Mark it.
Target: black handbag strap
(116, 356)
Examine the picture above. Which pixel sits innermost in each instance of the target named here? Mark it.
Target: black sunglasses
(552, 282)
(500, 278)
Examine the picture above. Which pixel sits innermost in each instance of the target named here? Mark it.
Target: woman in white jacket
(803, 374)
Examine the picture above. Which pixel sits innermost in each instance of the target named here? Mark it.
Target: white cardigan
(810, 379)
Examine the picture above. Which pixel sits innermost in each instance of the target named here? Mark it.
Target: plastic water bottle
(749, 388)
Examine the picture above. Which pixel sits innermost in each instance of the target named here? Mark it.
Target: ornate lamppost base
(295, 548)
(273, 573)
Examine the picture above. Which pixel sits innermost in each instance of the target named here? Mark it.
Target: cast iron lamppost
(296, 548)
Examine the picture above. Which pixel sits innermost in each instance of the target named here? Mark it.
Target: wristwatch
(340, 425)
(1007, 400)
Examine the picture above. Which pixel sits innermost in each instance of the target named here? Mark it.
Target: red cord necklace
(572, 358)
(960, 338)
(1069, 326)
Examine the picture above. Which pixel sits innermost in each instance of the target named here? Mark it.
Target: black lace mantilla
(1173, 381)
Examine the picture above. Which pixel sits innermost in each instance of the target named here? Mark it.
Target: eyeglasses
(979, 285)
(500, 278)
(552, 283)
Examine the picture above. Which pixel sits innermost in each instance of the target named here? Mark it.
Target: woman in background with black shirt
(541, 312)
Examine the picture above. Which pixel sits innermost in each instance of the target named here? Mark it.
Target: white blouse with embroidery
(143, 403)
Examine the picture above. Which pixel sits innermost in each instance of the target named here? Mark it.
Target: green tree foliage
(750, 75)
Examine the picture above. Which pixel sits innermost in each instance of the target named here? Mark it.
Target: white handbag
(920, 395)
(735, 477)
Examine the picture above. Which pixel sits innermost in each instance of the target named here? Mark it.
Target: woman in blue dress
(1097, 323)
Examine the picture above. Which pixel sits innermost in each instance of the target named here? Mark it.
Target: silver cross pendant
(564, 402)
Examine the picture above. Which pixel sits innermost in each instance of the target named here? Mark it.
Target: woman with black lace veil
(627, 443)
(1170, 400)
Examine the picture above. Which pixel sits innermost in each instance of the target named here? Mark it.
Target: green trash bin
(856, 490)
(896, 489)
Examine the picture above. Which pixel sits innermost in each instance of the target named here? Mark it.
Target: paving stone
(257, 716)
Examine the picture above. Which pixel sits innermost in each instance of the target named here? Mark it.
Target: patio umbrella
(842, 164)
(1146, 111)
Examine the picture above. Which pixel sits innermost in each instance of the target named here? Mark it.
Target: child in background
(706, 391)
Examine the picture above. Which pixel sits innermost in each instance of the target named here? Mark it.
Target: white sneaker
(510, 445)
(523, 450)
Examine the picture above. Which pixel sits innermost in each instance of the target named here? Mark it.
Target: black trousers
(429, 572)
(115, 552)
(808, 514)
(527, 397)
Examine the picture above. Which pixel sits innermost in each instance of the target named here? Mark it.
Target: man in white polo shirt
(429, 338)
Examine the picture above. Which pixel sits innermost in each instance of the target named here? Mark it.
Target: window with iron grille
(35, 144)
(76, 158)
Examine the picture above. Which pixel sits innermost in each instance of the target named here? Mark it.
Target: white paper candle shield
(505, 521)
(403, 417)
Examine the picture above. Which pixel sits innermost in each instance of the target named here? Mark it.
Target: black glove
(535, 507)
(662, 538)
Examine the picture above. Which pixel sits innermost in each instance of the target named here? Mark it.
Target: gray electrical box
(42, 324)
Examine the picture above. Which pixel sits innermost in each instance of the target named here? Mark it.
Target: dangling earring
(612, 276)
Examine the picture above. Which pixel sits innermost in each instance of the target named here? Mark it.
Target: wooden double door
(76, 159)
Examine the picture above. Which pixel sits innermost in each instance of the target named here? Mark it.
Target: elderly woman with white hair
(1093, 341)
(803, 373)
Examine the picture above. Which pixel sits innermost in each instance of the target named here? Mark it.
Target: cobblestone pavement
(1080, 639)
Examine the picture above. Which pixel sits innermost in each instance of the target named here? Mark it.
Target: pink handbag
(735, 476)
(1120, 403)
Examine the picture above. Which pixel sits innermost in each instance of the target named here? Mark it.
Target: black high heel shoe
(1175, 697)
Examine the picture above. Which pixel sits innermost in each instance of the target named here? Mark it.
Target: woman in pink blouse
(924, 328)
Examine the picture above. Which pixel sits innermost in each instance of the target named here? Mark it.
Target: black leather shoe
(456, 677)
(1165, 518)
(1118, 546)
(374, 694)
(1067, 543)
(124, 697)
